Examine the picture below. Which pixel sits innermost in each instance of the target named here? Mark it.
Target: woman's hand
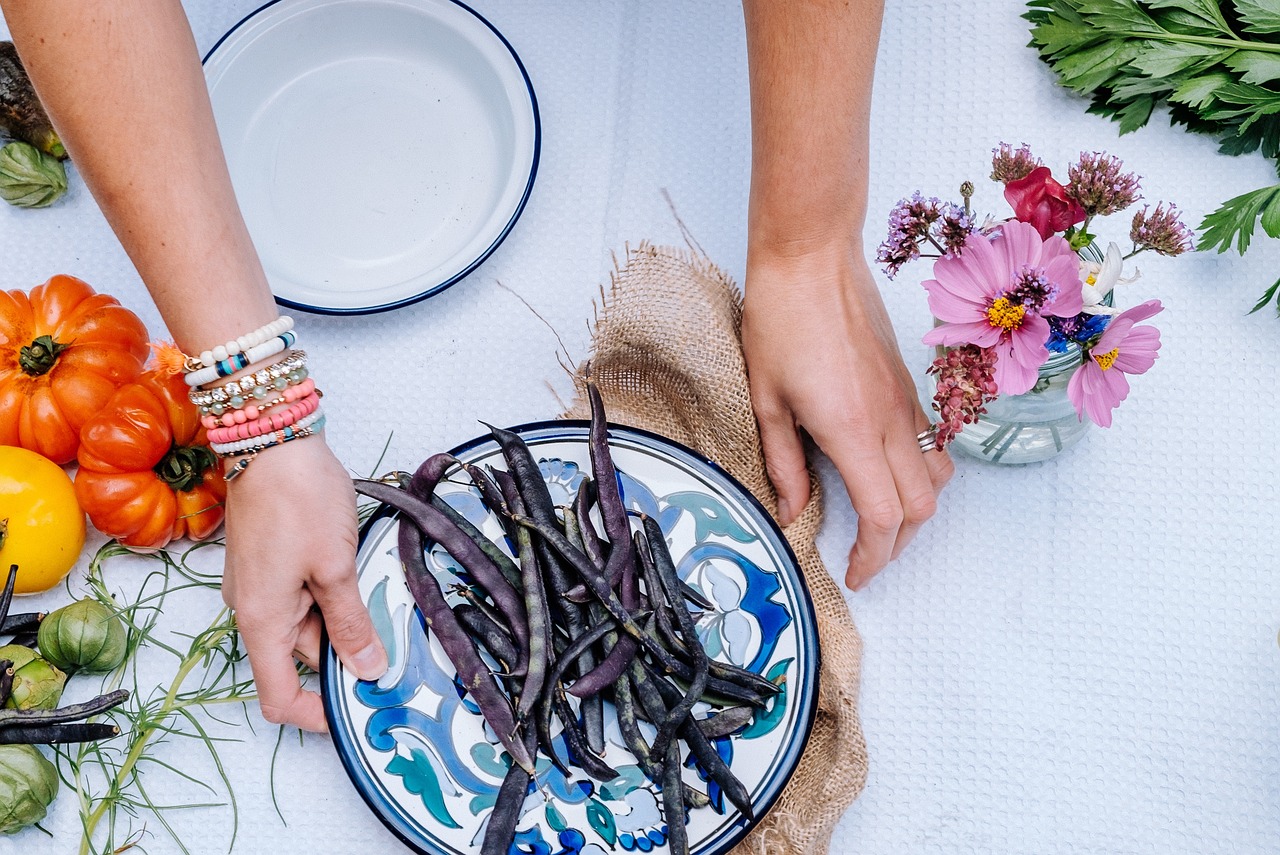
(291, 545)
(822, 356)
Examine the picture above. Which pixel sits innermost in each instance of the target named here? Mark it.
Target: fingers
(306, 647)
(784, 461)
(280, 695)
(347, 621)
(894, 490)
(874, 495)
(915, 482)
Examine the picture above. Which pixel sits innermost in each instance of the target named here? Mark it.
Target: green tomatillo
(28, 783)
(29, 178)
(84, 636)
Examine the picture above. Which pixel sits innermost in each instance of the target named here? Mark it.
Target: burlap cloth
(667, 357)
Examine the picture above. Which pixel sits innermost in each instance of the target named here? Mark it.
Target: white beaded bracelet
(267, 440)
(223, 352)
(240, 361)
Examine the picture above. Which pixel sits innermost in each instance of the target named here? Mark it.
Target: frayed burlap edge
(667, 357)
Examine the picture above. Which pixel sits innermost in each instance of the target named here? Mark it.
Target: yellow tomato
(41, 524)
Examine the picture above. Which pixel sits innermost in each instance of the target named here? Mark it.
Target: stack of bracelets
(272, 405)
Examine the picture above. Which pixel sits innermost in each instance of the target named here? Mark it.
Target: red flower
(1039, 200)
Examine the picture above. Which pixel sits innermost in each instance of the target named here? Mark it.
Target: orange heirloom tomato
(146, 473)
(64, 350)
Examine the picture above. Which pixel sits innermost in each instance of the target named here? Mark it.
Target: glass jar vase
(1030, 427)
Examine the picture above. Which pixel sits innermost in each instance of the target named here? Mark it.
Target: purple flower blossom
(909, 224)
(954, 226)
(1010, 164)
(1161, 230)
(919, 220)
(1100, 185)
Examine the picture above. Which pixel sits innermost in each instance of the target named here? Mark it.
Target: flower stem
(199, 648)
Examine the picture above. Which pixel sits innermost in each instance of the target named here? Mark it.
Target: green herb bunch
(1215, 64)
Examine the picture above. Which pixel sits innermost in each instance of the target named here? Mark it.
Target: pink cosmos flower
(1100, 384)
(995, 293)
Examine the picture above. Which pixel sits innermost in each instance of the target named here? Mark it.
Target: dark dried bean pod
(481, 604)
(6, 680)
(483, 629)
(535, 603)
(63, 715)
(726, 721)
(673, 803)
(587, 760)
(577, 647)
(666, 567)
(435, 525)
(500, 832)
(625, 705)
(54, 734)
(703, 750)
(7, 596)
(472, 671)
(617, 526)
(604, 593)
(613, 665)
(21, 623)
(26, 639)
(591, 543)
(666, 573)
(500, 559)
(423, 482)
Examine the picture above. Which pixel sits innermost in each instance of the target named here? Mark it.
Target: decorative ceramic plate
(380, 149)
(420, 754)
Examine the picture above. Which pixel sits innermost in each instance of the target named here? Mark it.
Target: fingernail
(784, 512)
(370, 663)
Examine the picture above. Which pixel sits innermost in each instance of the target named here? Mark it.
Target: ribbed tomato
(64, 350)
(146, 473)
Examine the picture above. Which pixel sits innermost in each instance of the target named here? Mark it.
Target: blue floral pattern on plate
(420, 754)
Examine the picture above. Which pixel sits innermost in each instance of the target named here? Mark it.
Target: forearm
(122, 83)
(811, 68)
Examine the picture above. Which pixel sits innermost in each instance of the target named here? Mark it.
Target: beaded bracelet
(241, 360)
(287, 372)
(258, 443)
(310, 425)
(248, 341)
(251, 412)
(265, 425)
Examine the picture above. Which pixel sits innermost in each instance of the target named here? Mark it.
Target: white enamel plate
(380, 149)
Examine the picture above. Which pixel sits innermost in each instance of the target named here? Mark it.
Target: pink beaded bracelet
(267, 424)
(251, 412)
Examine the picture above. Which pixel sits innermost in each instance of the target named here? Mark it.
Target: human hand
(291, 544)
(821, 355)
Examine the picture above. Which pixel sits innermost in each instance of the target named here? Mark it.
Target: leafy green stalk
(1214, 63)
(110, 780)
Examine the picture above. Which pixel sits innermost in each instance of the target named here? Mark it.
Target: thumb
(784, 461)
(350, 628)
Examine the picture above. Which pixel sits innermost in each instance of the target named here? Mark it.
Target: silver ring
(928, 439)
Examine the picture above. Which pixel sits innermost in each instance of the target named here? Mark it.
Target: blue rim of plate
(736, 831)
(488, 251)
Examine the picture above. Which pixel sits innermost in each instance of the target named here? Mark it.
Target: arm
(122, 82)
(820, 349)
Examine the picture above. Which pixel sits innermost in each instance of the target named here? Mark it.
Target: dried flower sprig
(1100, 184)
(966, 384)
(1162, 230)
(1010, 164)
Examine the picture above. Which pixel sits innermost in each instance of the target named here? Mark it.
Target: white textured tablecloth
(1074, 657)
